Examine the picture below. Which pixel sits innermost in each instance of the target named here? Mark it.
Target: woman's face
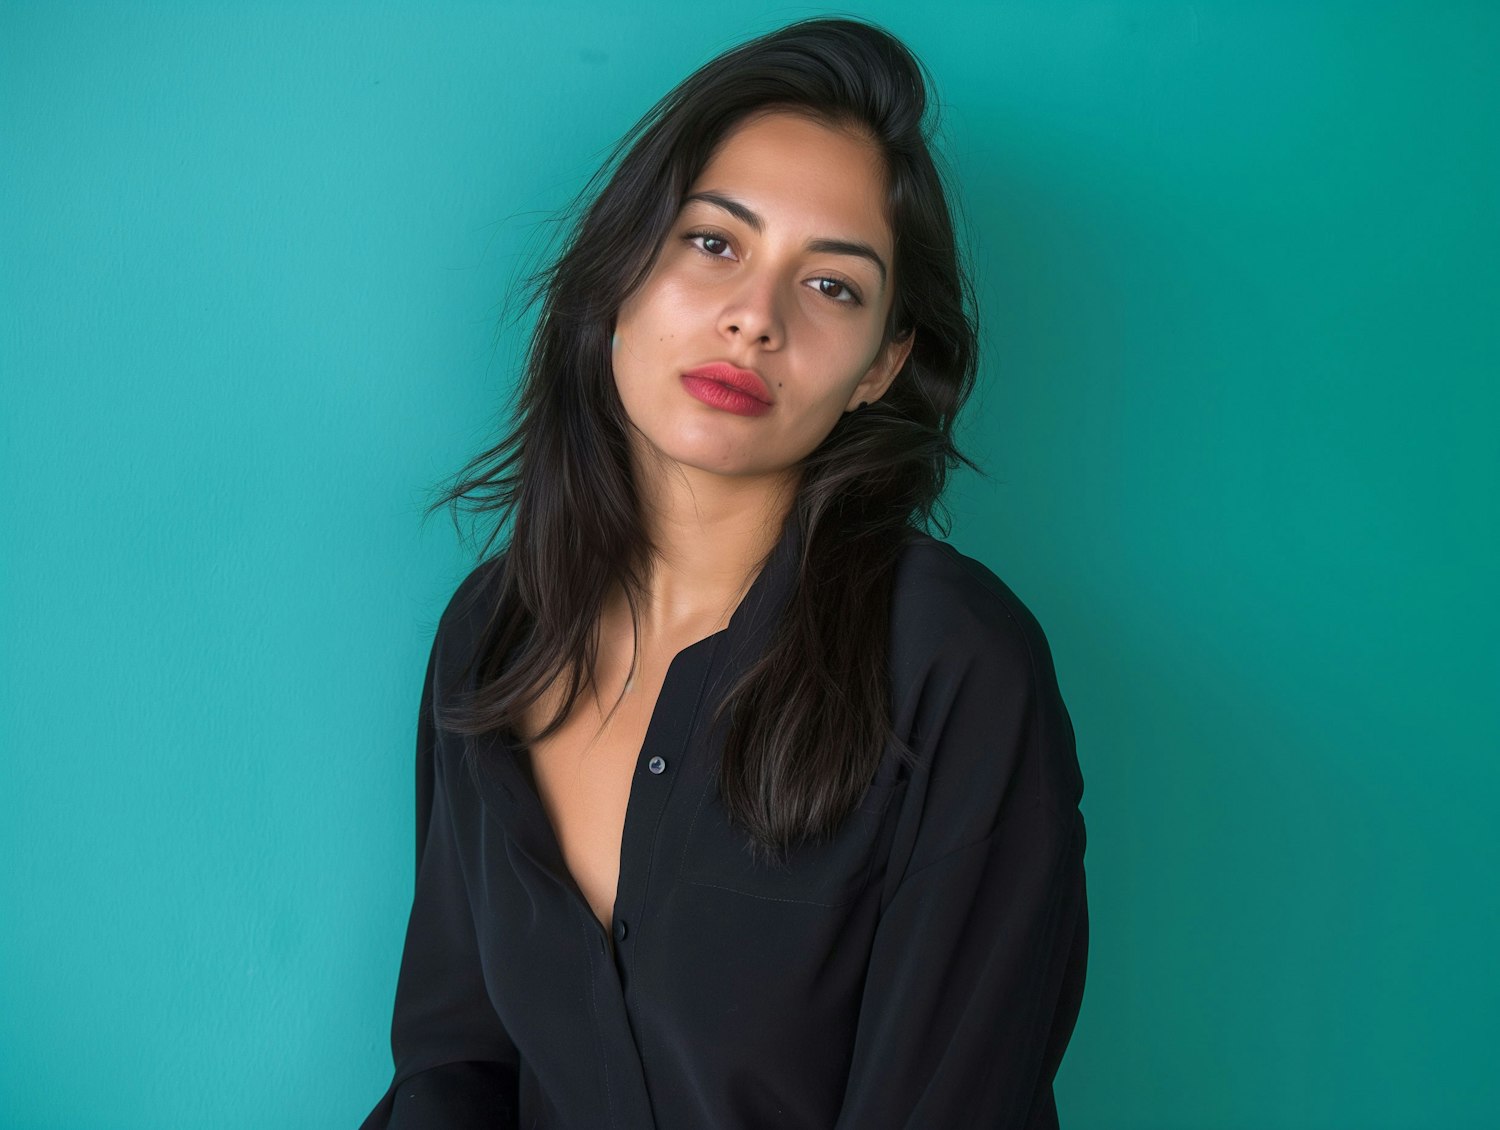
(749, 284)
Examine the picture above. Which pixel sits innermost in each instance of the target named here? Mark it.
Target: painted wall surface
(1238, 285)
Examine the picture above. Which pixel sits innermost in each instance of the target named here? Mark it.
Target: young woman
(742, 801)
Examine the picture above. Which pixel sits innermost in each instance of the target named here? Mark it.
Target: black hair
(810, 718)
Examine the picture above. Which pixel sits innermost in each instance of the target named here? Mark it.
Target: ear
(883, 371)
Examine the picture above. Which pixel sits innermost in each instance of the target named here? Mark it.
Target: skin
(714, 485)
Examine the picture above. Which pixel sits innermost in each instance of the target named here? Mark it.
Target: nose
(753, 313)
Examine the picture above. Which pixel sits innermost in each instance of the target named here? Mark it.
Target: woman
(741, 801)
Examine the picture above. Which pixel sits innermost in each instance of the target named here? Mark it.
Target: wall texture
(1238, 275)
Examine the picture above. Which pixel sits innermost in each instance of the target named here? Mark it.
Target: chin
(704, 447)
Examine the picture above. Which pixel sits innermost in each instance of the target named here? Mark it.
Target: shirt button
(619, 929)
(656, 765)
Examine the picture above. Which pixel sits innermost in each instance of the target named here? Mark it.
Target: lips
(746, 380)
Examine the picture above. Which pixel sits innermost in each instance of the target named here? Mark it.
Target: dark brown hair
(809, 720)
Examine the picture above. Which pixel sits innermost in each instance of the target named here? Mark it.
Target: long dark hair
(810, 719)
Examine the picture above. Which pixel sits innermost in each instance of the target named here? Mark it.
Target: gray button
(656, 765)
(619, 929)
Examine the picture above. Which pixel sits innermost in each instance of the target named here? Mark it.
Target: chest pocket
(830, 873)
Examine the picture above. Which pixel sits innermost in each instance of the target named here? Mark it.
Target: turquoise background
(1238, 274)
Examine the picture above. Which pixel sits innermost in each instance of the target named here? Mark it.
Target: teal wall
(1238, 273)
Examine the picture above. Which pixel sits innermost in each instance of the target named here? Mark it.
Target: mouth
(723, 396)
(746, 381)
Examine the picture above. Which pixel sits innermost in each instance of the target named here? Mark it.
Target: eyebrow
(758, 225)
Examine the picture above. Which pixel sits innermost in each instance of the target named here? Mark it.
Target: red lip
(746, 380)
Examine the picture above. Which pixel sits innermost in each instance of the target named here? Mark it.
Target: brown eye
(692, 238)
(853, 298)
(844, 294)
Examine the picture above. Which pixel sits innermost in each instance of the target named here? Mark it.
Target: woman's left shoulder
(946, 603)
(975, 686)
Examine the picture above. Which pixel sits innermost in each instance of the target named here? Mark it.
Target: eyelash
(853, 292)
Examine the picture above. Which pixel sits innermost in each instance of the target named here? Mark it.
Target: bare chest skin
(583, 771)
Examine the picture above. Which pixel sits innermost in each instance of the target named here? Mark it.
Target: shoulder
(975, 689)
(476, 593)
(949, 609)
(467, 616)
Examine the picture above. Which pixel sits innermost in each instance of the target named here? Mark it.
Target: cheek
(808, 415)
(660, 329)
(654, 311)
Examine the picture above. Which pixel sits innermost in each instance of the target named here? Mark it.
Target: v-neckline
(679, 695)
(673, 719)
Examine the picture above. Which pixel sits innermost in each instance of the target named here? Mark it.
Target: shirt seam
(1067, 812)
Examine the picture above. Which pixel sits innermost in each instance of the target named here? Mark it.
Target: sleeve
(455, 1065)
(977, 967)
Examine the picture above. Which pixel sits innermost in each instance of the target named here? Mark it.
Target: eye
(847, 288)
(708, 237)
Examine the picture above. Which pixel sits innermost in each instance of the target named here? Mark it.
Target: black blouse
(924, 969)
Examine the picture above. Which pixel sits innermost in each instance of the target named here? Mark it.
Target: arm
(455, 1065)
(977, 969)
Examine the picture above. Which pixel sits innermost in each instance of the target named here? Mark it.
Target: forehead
(803, 177)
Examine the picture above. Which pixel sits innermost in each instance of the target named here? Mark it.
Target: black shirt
(922, 970)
